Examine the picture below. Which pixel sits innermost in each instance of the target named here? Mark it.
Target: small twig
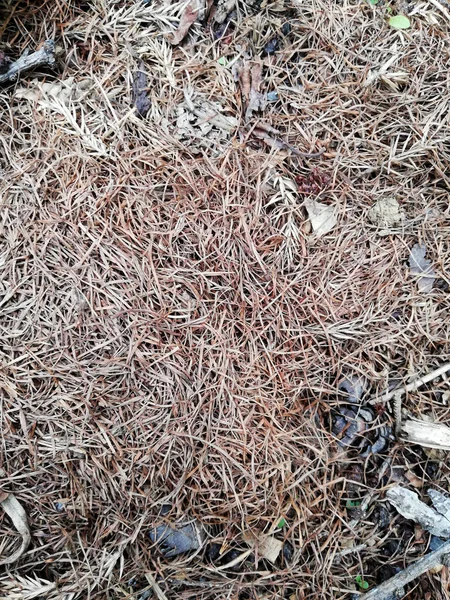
(421, 566)
(411, 387)
(44, 56)
(236, 561)
(155, 587)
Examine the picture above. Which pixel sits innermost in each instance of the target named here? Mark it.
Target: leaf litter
(201, 368)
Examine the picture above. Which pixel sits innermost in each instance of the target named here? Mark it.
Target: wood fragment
(43, 57)
(155, 587)
(140, 91)
(407, 503)
(424, 433)
(386, 589)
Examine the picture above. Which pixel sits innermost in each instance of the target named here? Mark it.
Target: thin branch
(44, 56)
(411, 387)
(421, 566)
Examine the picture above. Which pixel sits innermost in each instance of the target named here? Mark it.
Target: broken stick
(44, 56)
(388, 588)
(411, 387)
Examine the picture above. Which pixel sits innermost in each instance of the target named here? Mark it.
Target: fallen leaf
(386, 213)
(140, 91)
(267, 546)
(177, 539)
(257, 100)
(399, 22)
(322, 217)
(224, 7)
(421, 266)
(188, 18)
(18, 516)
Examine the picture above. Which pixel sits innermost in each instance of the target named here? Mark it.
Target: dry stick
(421, 566)
(155, 587)
(411, 387)
(44, 56)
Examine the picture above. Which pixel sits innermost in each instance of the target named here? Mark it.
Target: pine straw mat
(173, 327)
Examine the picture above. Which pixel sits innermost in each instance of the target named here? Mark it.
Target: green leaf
(359, 580)
(281, 523)
(373, 2)
(399, 22)
(352, 503)
(222, 61)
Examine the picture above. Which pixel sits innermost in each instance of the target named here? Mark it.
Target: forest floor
(223, 229)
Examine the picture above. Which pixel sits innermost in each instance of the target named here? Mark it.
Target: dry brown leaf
(267, 546)
(257, 100)
(243, 74)
(187, 20)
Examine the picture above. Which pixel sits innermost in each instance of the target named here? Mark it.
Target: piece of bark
(43, 57)
(407, 503)
(424, 433)
(140, 91)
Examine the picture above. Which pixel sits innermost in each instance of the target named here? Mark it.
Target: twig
(155, 587)
(44, 56)
(411, 387)
(421, 566)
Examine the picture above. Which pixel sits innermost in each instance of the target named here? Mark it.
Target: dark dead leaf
(187, 20)
(140, 91)
(177, 539)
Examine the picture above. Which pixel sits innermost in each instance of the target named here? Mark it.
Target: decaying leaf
(140, 91)
(18, 516)
(188, 18)
(64, 91)
(386, 213)
(429, 435)
(421, 267)
(250, 78)
(178, 539)
(257, 100)
(201, 123)
(266, 546)
(322, 217)
(224, 7)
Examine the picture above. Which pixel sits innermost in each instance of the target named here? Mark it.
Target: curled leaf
(18, 516)
(399, 22)
(188, 18)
